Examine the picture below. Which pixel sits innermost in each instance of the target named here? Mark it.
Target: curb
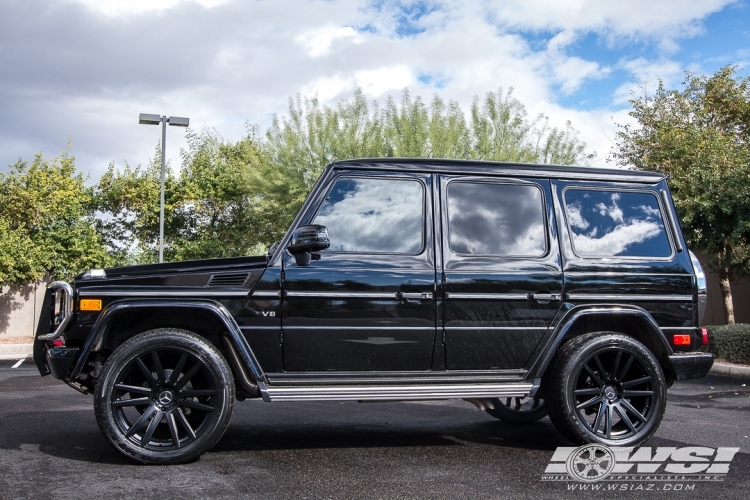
(730, 370)
(16, 351)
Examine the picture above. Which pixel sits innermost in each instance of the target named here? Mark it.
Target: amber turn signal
(681, 340)
(91, 304)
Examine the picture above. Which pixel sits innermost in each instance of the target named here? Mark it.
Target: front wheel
(605, 388)
(164, 396)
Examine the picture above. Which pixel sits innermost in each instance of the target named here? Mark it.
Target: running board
(397, 393)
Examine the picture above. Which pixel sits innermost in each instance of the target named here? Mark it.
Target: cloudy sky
(82, 70)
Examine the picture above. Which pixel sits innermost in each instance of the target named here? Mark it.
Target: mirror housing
(308, 239)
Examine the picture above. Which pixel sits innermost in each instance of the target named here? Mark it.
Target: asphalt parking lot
(50, 447)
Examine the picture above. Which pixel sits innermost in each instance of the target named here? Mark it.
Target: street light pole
(175, 121)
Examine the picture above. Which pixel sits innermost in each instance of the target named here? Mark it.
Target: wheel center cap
(610, 392)
(166, 397)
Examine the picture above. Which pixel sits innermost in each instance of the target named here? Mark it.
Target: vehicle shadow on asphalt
(538, 436)
(353, 425)
(69, 435)
(80, 440)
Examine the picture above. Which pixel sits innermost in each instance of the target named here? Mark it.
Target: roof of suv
(501, 168)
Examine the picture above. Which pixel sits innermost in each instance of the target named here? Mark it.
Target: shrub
(730, 342)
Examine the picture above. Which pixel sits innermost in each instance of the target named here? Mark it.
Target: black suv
(527, 290)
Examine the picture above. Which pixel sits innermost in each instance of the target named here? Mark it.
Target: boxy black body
(443, 279)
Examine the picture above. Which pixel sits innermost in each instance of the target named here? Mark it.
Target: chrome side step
(397, 393)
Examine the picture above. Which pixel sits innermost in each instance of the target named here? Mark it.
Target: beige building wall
(19, 312)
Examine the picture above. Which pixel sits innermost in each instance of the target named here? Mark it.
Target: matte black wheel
(605, 388)
(164, 396)
(519, 410)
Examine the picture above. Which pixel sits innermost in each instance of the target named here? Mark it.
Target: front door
(367, 304)
(503, 279)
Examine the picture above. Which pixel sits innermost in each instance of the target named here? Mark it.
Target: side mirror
(308, 239)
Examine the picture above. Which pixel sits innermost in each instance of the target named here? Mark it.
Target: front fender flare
(104, 322)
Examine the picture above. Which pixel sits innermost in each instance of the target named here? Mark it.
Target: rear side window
(505, 220)
(616, 224)
(374, 215)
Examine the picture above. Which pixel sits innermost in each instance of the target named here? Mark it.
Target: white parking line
(20, 362)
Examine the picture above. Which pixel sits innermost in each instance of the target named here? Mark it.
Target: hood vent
(228, 279)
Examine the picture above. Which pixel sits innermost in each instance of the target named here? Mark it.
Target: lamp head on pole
(178, 121)
(147, 119)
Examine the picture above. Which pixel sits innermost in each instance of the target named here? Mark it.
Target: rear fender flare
(651, 334)
(104, 323)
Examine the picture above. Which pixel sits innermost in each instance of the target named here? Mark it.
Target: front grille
(228, 279)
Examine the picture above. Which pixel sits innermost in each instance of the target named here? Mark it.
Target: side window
(616, 224)
(374, 215)
(496, 219)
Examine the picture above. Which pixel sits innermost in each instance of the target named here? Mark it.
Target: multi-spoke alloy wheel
(518, 409)
(605, 388)
(164, 396)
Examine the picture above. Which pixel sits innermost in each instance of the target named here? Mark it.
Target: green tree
(128, 202)
(47, 224)
(209, 210)
(219, 216)
(235, 198)
(501, 131)
(415, 130)
(700, 137)
(299, 146)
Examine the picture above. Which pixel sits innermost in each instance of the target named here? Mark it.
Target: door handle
(546, 297)
(414, 296)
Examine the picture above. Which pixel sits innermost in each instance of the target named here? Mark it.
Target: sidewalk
(15, 351)
(731, 370)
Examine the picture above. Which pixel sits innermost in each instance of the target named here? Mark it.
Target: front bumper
(687, 365)
(60, 359)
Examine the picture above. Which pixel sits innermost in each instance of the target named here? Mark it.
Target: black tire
(605, 388)
(519, 410)
(164, 396)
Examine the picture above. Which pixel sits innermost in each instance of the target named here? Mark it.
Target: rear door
(501, 265)
(368, 303)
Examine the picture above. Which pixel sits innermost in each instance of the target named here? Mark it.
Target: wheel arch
(628, 320)
(208, 318)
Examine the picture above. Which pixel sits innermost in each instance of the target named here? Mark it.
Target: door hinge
(283, 278)
(443, 336)
(281, 336)
(442, 280)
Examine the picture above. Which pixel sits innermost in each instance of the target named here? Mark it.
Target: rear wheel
(605, 388)
(164, 396)
(518, 410)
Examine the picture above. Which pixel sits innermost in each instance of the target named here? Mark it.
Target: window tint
(495, 219)
(374, 215)
(616, 223)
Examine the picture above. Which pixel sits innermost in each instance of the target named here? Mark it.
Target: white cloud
(374, 215)
(616, 241)
(223, 63)
(130, 7)
(318, 42)
(328, 88)
(665, 19)
(576, 219)
(376, 82)
(645, 75)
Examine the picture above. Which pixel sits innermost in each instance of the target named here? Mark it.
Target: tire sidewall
(572, 371)
(140, 344)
